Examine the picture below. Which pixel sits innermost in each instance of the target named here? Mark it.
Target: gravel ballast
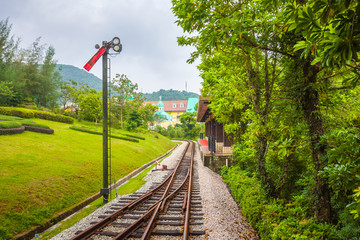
(222, 216)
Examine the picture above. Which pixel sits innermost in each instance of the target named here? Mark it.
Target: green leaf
(316, 60)
(300, 45)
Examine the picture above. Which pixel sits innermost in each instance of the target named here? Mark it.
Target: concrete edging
(29, 234)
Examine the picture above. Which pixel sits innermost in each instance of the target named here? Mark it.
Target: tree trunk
(261, 159)
(262, 112)
(311, 108)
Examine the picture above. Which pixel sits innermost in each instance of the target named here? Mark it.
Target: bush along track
(81, 129)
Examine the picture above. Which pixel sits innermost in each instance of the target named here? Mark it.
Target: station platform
(214, 161)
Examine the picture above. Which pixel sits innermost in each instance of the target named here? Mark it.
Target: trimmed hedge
(28, 113)
(39, 129)
(9, 124)
(9, 131)
(34, 124)
(12, 127)
(100, 133)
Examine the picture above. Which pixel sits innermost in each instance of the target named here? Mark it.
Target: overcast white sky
(150, 56)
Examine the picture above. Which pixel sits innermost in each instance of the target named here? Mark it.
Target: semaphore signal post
(103, 51)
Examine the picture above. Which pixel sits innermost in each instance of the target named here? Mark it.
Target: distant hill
(79, 75)
(167, 95)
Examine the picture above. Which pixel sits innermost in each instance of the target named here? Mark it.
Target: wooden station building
(215, 146)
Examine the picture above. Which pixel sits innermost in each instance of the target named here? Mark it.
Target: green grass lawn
(132, 185)
(42, 174)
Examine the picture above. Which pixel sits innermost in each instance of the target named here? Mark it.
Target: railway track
(170, 209)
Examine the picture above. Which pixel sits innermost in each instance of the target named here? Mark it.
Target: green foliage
(168, 95)
(25, 75)
(191, 128)
(11, 67)
(274, 218)
(283, 77)
(28, 113)
(49, 81)
(147, 114)
(188, 129)
(134, 121)
(356, 196)
(126, 100)
(176, 132)
(33, 124)
(9, 124)
(331, 31)
(90, 106)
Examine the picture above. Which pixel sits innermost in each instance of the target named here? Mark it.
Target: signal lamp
(116, 45)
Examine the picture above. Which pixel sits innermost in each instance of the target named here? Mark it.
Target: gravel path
(223, 218)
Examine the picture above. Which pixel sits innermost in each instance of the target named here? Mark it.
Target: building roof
(203, 109)
(191, 105)
(160, 104)
(172, 106)
(163, 116)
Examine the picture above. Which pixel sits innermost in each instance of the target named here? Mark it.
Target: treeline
(27, 76)
(126, 109)
(284, 78)
(168, 95)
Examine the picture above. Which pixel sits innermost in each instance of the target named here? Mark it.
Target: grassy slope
(132, 185)
(42, 174)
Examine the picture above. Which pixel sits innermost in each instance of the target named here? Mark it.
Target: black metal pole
(105, 189)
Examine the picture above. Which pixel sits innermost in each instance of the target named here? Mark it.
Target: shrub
(12, 127)
(12, 130)
(28, 113)
(33, 124)
(18, 112)
(9, 124)
(39, 129)
(53, 117)
(273, 218)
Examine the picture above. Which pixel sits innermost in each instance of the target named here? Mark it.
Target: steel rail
(154, 208)
(147, 233)
(150, 226)
(128, 231)
(92, 229)
(187, 214)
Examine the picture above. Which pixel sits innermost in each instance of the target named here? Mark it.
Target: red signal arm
(94, 59)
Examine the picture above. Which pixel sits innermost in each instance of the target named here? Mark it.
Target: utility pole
(103, 51)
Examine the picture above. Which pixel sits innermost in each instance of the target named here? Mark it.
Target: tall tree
(124, 92)
(11, 67)
(260, 35)
(90, 105)
(49, 80)
(31, 70)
